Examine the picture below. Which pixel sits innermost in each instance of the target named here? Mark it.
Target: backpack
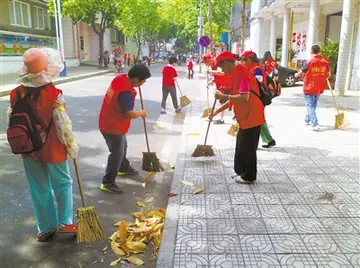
(274, 87)
(265, 94)
(25, 133)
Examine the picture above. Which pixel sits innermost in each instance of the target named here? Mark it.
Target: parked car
(287, 76)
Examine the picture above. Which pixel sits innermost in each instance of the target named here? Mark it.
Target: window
(19, 13)
(41, 19)
(82, 43)
(113, 35)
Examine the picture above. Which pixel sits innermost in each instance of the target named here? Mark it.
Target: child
(168, 85)
(116, 113)
(190, 67)
(46, 169)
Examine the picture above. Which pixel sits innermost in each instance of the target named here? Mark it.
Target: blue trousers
(44, 179)
(311, 102)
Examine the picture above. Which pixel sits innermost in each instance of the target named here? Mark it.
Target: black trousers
(117, 160)
(165, 93)
(245, 161)
(190, 73)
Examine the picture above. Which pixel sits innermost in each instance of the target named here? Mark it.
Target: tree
(100, 14)
(243, 23)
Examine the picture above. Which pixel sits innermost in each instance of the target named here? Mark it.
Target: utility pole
(210, 24)
(59, 34)
(200, 34)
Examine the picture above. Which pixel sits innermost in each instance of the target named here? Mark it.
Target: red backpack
(26, 133)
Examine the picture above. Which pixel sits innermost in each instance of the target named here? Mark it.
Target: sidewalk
(303, 211)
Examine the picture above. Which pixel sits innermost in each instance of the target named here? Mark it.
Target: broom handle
(332, 94)
(207, 87)
(207, 131)
(79, 182)
(144, 121)
(177, 84)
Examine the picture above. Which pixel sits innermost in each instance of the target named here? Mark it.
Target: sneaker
(269, 144)
(42, 237)
(241, 181)
(316, 128)
(67, 229)
(163, 111)
(129, 171)
(219, 122)
(307, 123)
(178, 110)
(111, 188)
(234, 118)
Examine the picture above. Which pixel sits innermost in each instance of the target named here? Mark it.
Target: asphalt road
(19, 247)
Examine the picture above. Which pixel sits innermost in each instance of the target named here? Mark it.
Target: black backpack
(26, 133)
(266, 95)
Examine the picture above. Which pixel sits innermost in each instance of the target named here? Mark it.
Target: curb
(66, 80)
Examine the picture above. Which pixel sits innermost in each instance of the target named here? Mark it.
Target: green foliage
(330, 51)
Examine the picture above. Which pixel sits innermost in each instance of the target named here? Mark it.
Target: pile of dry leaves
(133, 238)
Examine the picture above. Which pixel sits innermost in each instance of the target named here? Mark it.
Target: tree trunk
(101, 49)
(243, 26)
(210, 24)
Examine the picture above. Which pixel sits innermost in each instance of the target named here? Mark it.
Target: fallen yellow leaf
(183, 202)
(122, 231)
(140, 203)
(193, 134)
(137, 214)
(157, 127)
(104, 249)
(150, 175)
(135, 260)
(143, 184)
(188, 183)
(136, 247)
(172, 194)
(149, 200)
(198, 191)
(113, 236)
(116, 262)
(116, 249)
(130, 238)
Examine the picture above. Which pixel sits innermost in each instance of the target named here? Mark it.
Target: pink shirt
(243, 76)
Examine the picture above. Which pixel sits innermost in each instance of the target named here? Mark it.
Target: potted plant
(330, 51)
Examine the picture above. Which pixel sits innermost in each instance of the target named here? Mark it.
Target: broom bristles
(184, 101)
(233, 131)
(151, 162)
(340, 121)
(206, 113)
(203, 150)
(89, 228)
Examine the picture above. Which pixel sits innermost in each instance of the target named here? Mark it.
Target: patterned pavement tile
(312, 170)
(191, 261)
(250, 226)
(192, 226)
(320, 244)
(239, 188)
(210, 179)
(192, 211)
(256, 244)
(194, 200)
(297, 261)
(285, 188)
(355, 222)
(354, 259)
(225, 261)
(291, 198)
(223, 244)
(330, 187)
(221, 226)
(247, 211)
(318, 198)
(274, 179)
(350, 187)
(262, 188)
(331, 261)
(299, 211)
(216, 188)
(326, 211)
(343, 198)
(242, 198)
(348, 243)
(261, 260)
(273, 211)
(288, 243)
(308, 226)
(349, 210)
(218, 199)
(219, 211)
(321, 178)
(307, 187)
(337, 225)
(279, 226)
(191, 244)
(356, 197)
(341, 178)
(267, 199)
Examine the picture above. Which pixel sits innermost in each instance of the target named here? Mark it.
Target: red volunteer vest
(258, 66)
(251, 113)
(112, 119)
(53, 151)
(316, 75)
(270, 65)
(222, 82)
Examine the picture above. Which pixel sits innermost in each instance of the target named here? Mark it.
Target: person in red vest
(222, 81)
(249, 113)
(128, 59)
(169, 75)
(251, 61)
(148, 59)
(46, 169)
(190, 67)
(316, 73)
(270, 65)
(116, 113)
(134, 59)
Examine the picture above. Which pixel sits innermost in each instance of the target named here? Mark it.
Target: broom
(150, 160)
(340, 121)
(184, 100)
(203, 149)
(89, 228)
(234, 129)
(207, 111)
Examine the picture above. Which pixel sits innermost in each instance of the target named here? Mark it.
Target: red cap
(226, 55)
(247, 54)
(206, 57)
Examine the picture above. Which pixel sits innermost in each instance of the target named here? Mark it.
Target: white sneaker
(163, 111)
(316, 128)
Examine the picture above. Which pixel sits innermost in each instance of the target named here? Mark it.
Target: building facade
(298, 25)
